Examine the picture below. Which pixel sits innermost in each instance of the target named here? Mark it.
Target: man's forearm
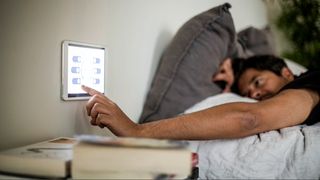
(226, 121)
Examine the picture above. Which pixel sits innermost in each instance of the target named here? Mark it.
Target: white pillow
(296, 68)
(218, 100)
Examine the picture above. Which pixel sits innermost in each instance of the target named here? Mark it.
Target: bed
(183, 84)
(288, 153)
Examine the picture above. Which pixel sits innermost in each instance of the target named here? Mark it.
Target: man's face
(262, 84)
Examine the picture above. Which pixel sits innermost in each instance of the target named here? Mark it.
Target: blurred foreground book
(96, 157)
(50, 158)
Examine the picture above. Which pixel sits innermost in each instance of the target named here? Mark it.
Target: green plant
(300, 22)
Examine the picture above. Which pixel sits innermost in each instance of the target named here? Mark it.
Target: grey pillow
(257, 41)
(184, 75)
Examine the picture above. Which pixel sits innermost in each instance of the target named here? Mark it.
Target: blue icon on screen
(96, 61)
(76, 59)
(75, 69)
(96, 81)
(97, 70)
(76, 81)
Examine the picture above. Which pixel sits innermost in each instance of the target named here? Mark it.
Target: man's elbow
(250, 122)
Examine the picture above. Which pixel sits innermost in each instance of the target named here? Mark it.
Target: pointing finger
(90, 90)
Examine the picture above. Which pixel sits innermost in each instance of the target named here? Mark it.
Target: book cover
(97, 157)
(131, 142)
(45, 159)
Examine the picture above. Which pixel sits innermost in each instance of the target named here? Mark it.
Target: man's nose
(255, 94)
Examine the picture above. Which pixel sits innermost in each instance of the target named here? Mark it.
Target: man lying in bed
(293, 100)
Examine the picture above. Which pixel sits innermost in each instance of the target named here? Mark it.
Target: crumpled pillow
(184, 75)
(257, 41)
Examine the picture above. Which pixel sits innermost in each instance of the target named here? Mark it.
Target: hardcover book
(96, 157)
(50, 158)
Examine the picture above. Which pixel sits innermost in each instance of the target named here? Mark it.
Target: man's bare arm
(234, 120)
(290, 107)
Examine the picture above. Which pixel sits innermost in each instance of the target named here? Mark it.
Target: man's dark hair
(261, 63)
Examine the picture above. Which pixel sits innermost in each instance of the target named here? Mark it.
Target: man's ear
(287, 73)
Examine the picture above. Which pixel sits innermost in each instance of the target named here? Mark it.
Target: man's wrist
(138, 130)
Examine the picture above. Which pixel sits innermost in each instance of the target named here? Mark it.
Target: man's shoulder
(309, 73)
(309, 79)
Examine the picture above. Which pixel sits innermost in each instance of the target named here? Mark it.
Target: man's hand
(224, 74)
(105, 113)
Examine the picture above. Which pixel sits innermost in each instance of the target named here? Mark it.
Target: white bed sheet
(290, 153)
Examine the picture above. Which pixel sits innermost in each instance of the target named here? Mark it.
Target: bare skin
(263, 84)
(225, 74)
(233, 120)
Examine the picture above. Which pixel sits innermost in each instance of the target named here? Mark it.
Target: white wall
(135, 31)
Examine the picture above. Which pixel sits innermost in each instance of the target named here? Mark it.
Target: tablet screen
(83, 65)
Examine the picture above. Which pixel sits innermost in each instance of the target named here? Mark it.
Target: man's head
(260, 77)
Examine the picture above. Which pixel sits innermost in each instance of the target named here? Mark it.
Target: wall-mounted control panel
(82, 64)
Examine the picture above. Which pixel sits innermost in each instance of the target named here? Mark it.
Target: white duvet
(290, 153)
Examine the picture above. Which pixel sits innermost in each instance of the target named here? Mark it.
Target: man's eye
(258, 82)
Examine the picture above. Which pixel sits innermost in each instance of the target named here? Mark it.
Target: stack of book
(50, 158)
(96, 157)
